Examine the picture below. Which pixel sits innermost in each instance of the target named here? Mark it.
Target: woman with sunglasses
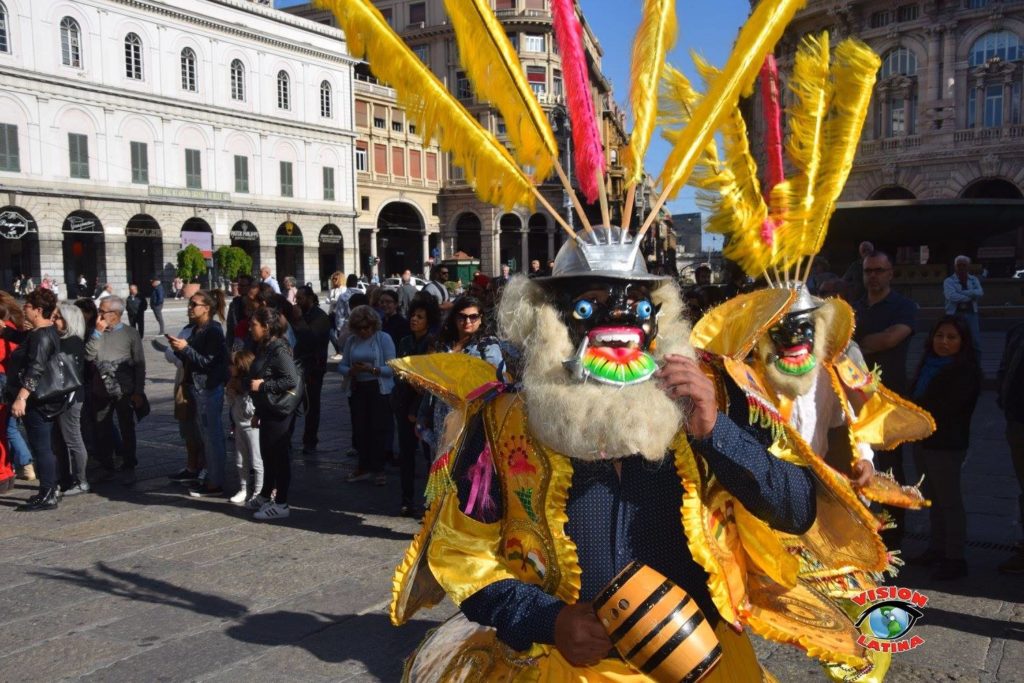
(364, 364)
(204, 356)
(463, 331)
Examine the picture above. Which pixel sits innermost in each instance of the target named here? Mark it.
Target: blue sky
(708, 27)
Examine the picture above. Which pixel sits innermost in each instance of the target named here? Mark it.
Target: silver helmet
(604, 252)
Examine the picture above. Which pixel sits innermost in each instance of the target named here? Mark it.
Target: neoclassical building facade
(945, 126)
(131, 128)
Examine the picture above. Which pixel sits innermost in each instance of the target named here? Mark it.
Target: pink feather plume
(772, 123)
(586, 136)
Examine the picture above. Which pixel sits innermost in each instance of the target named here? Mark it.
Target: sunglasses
(467, 317)
(193, 304)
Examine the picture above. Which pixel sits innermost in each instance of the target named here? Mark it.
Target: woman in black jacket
(30, 361)
(947, 385)
(272, 376)
(205, 359)
(68, 444)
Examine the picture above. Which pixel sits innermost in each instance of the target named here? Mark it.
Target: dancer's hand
(863, 470)
(579, 635)
(682, 378)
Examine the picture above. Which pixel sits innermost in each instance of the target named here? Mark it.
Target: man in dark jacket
(1011, 400)
(320, 329)
(135, 305)
(156, 302)
(117, 385)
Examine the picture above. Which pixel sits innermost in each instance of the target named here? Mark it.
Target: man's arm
(138, 363)
(774, 490)
(954, 293)
(974, 288)
(888, 338)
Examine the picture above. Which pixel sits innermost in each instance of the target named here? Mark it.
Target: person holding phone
(204, 356)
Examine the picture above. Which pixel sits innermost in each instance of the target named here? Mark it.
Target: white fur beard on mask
(588, 421)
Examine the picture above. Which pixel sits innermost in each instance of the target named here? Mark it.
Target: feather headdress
(654, 39)
(832, 91)
(487, 164)
(497, 75)
(586, 136)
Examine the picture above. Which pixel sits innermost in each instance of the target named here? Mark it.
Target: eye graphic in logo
(890, 620)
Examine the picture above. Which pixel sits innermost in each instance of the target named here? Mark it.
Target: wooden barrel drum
(656, 626)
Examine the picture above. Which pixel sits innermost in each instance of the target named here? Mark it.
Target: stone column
(117, 267)
(1007, 101)
(886, 114)
(551, 245)
(948, 60)
(933, 87)
(373, 251)
(524, 248)
(979, 105)
(426, 250)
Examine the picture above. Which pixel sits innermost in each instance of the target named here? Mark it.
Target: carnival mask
(613, 324)
(793, 340)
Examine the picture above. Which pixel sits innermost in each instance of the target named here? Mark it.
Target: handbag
(281, 405)
(142, 409)
(61, 376)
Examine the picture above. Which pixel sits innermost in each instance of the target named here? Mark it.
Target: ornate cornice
(249, 35)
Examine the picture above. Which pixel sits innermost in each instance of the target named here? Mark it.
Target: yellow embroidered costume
(791, 353)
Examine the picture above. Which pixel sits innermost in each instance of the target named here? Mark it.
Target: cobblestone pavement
(146, 584)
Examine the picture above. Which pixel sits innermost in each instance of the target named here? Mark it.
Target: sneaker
(239, 498)
(203, 492)
(257, 502)
(273, 511)
(184, 476)
(336, 357)
(77, 489)
(27, 473)
(358, 475)
(1014, 565)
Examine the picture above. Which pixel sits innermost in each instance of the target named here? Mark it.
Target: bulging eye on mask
(612, 325)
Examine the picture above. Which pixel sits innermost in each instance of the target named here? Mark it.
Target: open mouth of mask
(615, 355)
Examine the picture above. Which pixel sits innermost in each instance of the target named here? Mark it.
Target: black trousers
(138, 321)
(275, 438)
(311, 425)
(371, 424)
(105, 409)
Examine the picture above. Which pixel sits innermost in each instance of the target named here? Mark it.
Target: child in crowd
(247, 437)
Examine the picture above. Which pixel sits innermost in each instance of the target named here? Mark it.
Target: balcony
(979, 137)
(869, 148)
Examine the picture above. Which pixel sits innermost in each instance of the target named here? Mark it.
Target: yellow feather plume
(497, 75)
(758, 36)
(654, 39)
(813, 90)
(854, 71)
(488, 165)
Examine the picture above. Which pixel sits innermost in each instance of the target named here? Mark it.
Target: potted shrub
(191, 266)
(232, 262)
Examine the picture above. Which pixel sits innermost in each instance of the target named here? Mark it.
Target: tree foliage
(232, 262)
(191, 264)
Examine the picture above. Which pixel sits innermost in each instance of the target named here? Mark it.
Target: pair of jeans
(275, 444)
(20, 453)
(209, 412)
(106, 440)
(947, 517)
(40, 431)
(372, 424)
(69, 446)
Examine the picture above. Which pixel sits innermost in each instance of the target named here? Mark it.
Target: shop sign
(246, 232)
(14, 226)
(137, 231)
(82, 225)
(330, 238)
